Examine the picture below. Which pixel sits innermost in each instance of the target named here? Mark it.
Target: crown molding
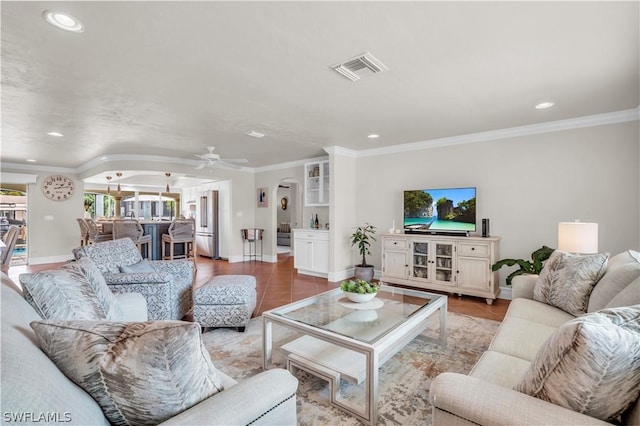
(38, 167)
(533, 129)
(288, 164)
(340, 150)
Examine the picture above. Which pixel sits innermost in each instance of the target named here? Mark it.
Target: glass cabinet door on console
(420, 260)
(432, 261)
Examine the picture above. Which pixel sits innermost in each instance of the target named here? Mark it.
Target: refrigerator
(207, 224)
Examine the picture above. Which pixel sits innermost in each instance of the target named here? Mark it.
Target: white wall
(52, 229)
(525, 185)
(345, 214)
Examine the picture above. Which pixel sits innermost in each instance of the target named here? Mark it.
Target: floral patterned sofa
(165, 284)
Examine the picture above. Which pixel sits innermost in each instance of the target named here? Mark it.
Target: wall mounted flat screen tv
(440, 211)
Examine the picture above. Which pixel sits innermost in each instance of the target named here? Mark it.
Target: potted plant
(526, 267)
(362, 237)
(358, 290)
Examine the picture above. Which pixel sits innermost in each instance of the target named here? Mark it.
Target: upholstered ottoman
(225, 301)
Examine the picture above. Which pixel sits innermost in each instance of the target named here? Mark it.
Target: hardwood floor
(279, 284)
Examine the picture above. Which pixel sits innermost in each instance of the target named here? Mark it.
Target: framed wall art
(262, 197)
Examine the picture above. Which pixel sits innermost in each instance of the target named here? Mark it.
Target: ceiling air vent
(365, 63)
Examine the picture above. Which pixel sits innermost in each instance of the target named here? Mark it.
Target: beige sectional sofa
(35, 391)
(486, 395)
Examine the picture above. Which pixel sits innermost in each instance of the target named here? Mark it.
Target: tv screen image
(440, 210)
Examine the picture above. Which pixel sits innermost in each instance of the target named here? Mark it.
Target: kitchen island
(155, 228)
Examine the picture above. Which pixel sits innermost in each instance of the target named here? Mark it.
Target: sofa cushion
(139, 373)
(567, 279)
(501, 369)
(142, 266)
(95, 279)
(591, 365)
(110, 255)
(520, 337)
(622, 270)
(31, 384)
(62, 294)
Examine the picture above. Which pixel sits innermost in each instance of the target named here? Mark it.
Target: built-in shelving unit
(316, 183)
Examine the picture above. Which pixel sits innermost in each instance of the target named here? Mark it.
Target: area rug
(404, 379)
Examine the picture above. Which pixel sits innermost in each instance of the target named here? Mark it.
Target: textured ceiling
(171, 78)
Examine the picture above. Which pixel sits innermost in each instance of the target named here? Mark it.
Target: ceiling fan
(210, 159)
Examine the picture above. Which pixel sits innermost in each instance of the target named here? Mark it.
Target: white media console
(454, 264)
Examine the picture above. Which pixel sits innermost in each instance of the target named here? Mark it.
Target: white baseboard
(334, 277)
(505, 293)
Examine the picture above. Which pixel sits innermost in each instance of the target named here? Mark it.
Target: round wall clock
(57, 187)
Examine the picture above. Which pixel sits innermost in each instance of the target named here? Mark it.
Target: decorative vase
(363, 272)
(360, 298)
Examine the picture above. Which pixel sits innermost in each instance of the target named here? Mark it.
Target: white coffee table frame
(375, 353)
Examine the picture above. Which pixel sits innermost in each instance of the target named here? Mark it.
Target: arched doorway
(288, 211)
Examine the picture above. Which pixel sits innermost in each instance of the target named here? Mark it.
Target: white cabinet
(395, 262)
(316, 183)
(454, 264)
(311, 252)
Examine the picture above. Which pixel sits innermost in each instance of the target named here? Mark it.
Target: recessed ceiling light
(56, 134)
(544, 105)
(63, 21)
(255, 134)
(373, 136)
(31, 160)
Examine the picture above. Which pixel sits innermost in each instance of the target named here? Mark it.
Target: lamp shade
(578, 237)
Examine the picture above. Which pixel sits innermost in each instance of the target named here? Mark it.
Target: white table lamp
(578, 237)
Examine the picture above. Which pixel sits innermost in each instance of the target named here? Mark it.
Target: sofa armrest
(180, 269)
(267, 398)
(137, 278)
(523, 285)
(486, 403)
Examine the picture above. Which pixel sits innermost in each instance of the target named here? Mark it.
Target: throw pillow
(85, 267)
(567, 279)
(142, 266)
(590, 364)
(61, 294)
(139, 373)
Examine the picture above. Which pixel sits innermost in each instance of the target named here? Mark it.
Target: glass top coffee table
(342, 340)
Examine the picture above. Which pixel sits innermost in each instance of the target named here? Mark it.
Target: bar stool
(181, 231)
(95, 235)
(251, 235)
(133, 230)
(84, 231)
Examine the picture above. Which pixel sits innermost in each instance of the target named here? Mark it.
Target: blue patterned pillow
(142, 266)
(590, 365)
(139, 373)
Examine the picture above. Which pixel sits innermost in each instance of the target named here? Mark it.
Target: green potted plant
(358, 290)
(362, 237)
(534, 266)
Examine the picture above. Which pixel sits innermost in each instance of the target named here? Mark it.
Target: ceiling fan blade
(227, 164)
(200, 156)
(201, 166)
